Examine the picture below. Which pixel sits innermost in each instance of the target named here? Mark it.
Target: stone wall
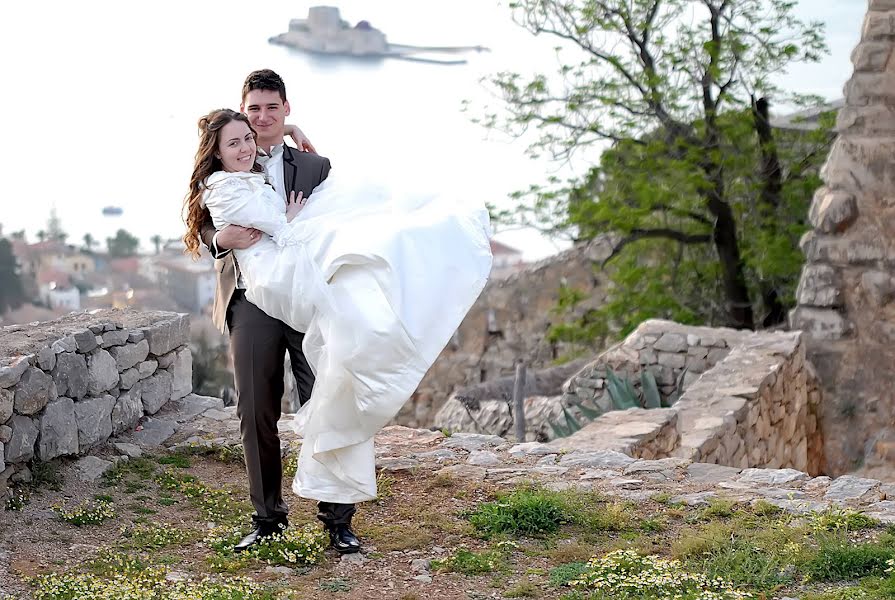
(845, 294)
(510, 321)
(67, 385)
(746, 400)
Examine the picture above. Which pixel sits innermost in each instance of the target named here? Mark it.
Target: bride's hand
(301, 140)
(294, 206)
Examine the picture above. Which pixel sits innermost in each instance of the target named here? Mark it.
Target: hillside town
(57, 277)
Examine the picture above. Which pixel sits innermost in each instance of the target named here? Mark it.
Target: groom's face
(267, 113)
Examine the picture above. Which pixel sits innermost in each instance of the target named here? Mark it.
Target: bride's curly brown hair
(207, 162)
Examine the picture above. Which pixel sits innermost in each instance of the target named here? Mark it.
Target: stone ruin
(748, 400)
(845, 305)
(846, 290)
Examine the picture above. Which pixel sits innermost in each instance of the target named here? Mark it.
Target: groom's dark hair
(264, 79)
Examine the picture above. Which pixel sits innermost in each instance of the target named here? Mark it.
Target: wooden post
(518, 402)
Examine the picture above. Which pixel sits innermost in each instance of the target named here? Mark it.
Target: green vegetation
(527, 542)
(705, 200)
(524, 512)
(86, 513)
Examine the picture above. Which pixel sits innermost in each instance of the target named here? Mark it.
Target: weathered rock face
(76, 380)
(845, 294)
(58, 430)
(509, 321)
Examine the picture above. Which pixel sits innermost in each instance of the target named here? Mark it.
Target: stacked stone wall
(739, 398)
(846, 290)
(67, 385)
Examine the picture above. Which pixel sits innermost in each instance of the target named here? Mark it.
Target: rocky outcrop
(69, 384)
(845, 294)
(510, 322)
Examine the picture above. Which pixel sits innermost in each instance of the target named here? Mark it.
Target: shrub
(837, 559)
(526, 512)
(841, 519)
(564, 574)
(467, 562)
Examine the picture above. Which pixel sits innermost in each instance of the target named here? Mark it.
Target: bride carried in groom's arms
(363, 286)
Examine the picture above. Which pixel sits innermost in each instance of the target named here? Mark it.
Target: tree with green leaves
(705, 203)
(157, 242)
(11, 292)
(54, 230)
(89, 242)
(122, 245)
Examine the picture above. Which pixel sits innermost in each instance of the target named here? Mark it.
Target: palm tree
(157, 240)
(89, 242)
(41, 235)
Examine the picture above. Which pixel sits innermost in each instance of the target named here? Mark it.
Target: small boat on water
(325, 32)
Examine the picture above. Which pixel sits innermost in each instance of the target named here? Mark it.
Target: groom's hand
(234, 237)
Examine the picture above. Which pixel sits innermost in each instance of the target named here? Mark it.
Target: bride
(377, 279)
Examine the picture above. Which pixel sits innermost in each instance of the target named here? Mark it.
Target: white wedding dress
(378, 279)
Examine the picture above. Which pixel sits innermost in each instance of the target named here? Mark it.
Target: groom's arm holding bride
(235, 237)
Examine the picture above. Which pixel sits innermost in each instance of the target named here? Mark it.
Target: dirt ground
(419, 516)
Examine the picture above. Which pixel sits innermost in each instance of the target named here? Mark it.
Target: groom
(259, 342)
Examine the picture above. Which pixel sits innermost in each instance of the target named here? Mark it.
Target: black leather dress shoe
(343, 539)
(260, 532)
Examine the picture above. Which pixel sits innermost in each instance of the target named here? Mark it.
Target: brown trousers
(259, 344)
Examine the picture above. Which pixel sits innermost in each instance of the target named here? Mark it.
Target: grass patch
(738, 551)
(108, 563)
(626, 575)
(571, 551)
(181, 461)
(841, 519)
(467, 562)
(522, 512)
(46, 475)
(718, 508)
(565, 574)
(216, 505)
(837, 559)
(294, 547)
(153, 536)
(334, 585)
(150, 583)
(140, 509)
(392, 538)
(384, 487)
(523, 589)
(86, 513)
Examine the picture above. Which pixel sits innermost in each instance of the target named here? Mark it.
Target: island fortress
(325, 32)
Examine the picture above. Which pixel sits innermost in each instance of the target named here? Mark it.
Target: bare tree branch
(662, 233)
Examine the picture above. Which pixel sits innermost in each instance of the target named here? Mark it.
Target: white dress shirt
(273, 170)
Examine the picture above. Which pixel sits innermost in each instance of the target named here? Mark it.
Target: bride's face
(236, 147)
